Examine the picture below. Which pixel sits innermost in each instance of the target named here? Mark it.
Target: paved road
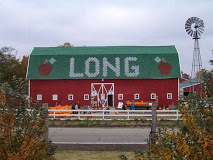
(99, 138)
(99, 135)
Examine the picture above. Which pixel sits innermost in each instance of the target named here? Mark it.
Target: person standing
(132, 107)
(76, 106)
(73, 107)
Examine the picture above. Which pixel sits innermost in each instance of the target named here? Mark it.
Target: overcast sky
(25, 24)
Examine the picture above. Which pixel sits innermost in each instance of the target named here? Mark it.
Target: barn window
(169, 95)
(70, 97)
(153, 96)
(136, 96)
(86, 96)
(120, 96)
(39, 97)
(55, 97)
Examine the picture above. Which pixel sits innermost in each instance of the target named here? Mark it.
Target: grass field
(107, 123)
(92, 155)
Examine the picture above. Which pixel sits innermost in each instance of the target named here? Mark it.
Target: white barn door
(103, 93)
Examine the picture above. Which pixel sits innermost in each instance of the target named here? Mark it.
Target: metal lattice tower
(194, 27)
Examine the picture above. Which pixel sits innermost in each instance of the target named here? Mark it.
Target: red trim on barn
(127, 87)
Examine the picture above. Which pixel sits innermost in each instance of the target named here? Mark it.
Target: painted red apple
(164, 67)
(45, 69)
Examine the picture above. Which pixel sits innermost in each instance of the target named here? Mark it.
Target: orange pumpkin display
(141, 103)
(59, 107)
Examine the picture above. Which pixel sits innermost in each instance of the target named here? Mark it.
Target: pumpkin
(59, 107)
(141, 103)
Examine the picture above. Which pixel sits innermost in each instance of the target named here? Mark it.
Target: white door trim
(103, 91)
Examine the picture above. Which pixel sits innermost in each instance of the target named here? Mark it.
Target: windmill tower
(194, 27)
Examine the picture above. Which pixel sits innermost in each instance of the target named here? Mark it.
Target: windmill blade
(201, 29)
(188, 29)
(201, 25)
(196, 19)
(188, 23)
(187, 26)
(199, 21)
(199, 34)
(191, 33)
(192, 20)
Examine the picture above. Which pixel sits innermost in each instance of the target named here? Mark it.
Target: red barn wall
(197, 89)
(127, 87)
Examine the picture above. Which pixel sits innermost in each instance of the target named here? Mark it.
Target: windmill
(194, 27)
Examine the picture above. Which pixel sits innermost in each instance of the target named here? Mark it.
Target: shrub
(22, 128)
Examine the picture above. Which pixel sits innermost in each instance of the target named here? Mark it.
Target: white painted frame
(153, 96)
(55, 97)
(70, 98)
(169, 95)
(85, 97)
(136, 96)
(39, 97)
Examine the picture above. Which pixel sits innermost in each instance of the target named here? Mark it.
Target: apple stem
(163, 59)
(46, 60)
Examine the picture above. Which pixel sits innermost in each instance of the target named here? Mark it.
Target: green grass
(108, 123)
(92, 155)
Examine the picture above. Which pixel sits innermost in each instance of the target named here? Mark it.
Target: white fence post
(128, 114)
(103, 113)
(78, 114)
(54, 113)
(177, 114)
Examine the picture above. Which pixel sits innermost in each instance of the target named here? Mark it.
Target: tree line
(12, 68)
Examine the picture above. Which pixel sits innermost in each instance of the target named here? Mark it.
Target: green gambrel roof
(109, 50)
(108, 62)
